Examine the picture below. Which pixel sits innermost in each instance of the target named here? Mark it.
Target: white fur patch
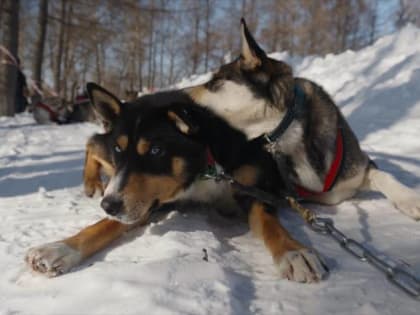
(291, 143)
(114, 185)
(292, 139)
(237, 104)
(308, 178)
(207, 190)
(404, 199)
(302, 266)
(52, 259)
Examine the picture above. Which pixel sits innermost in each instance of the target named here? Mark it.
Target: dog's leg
(294, 261)
(92, 175)
(95, 161)
(59, 257)
(405, 199)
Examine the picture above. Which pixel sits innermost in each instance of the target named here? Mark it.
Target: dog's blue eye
(155, 150)
(117, 149)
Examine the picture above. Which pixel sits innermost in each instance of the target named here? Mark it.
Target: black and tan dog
(252, 94)
(155, 150)
(325, 162)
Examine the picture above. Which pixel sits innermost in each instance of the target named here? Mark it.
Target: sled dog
(156, 151)
(257, 94)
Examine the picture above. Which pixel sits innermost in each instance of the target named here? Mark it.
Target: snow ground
(162, 272)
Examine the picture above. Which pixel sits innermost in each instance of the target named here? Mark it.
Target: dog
(325, 162)
(252, 95)
(156, 151)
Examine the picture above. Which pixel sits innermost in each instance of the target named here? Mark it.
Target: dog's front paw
(302, 265)
(410, 206)
(52, 259)
(91, 186)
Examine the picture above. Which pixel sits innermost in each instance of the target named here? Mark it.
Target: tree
(372, 20)
(130, 44)
(59, 55)
(40, 42)
(9, 66)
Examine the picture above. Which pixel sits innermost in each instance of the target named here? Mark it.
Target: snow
(159, 269)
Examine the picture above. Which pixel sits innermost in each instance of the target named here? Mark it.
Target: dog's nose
(112, 205)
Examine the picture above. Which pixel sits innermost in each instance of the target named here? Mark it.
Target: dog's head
(247, 86)
(153, 153)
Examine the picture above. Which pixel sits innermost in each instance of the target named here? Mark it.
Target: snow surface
(159, 269)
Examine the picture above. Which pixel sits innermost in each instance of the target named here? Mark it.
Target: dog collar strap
(293, 112)
(332, 173)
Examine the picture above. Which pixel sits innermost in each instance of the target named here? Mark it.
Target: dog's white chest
(207, 191)
(291, 144)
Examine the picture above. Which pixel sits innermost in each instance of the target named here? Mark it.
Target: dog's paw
(91, 186)
(52, 259)
(410, 206)
(302, 265)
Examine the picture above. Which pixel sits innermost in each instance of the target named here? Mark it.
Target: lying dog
(253, 93)
(323, 155)
(154, 151)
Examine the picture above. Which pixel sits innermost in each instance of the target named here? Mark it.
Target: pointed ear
(251, 54)
(183, 120)
(105, 104)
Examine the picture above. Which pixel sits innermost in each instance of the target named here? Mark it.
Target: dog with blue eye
(156, 151)
(263, 126)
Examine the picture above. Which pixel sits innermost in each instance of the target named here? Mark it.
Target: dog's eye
(117, 149)
(156, 150)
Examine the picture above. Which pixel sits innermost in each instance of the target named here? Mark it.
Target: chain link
(401, 277)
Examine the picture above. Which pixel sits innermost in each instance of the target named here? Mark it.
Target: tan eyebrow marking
(178, 166)
(143, 146)
(122, 142)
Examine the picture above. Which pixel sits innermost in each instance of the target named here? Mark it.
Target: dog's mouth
(140, 218)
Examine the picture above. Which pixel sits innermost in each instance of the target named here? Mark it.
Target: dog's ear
(251, 54)
(105, 104)
(183, 120)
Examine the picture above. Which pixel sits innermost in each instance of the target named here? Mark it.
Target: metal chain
(400, 277)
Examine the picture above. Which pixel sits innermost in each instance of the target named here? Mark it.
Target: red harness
(53, 114)
(332, 173)
(210, 159)
(329, 179)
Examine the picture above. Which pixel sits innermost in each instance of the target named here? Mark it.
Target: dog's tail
(405, 199)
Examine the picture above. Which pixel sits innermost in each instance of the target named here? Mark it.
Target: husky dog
(156, 151)
(155, 147)
(326, 164)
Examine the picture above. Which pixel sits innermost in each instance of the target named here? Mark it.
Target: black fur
(147, 118)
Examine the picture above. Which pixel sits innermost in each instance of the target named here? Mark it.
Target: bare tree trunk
(207, 27)
(373, 19)
(68, 53)
(150, 78)
(161, 58)
(401, 14)
(40, 43)
(9, 71)
(57, 72)
(98, 64)
(171, 56)
(195, 48)
(140, 70)
(2, 2)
